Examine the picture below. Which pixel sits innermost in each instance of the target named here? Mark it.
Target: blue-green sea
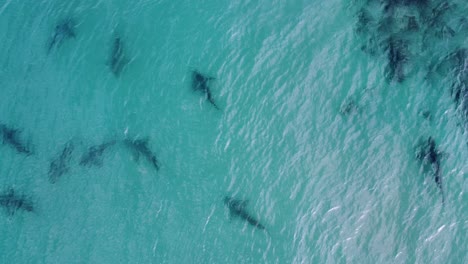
(312, 136)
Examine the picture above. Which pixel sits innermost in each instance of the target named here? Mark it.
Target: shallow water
(329, 187)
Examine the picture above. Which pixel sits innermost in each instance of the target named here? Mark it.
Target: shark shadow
(364, 19)
(200, 83)
(63, 31)
(457, 64)
(93, 157)
(390, 6)
(13, 202)
(60, 165)
(237, 209)
(459, 93)
(117, 60)
(140, 147)
(10, 137)
(349, 107)
(430, 157)
(396, 58)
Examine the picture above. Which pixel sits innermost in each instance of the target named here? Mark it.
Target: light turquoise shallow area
(329, 188)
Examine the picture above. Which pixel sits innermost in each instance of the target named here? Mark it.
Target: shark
(117, 59)
(237, 208)
(429, 155)
(396, 56)
(93, 157)
(140, 147)
(459, 64)
(63, 31)
(349, 107)
(364, 18)
(10, 137)
(13, 202)
(391, 5)
(200, 83)
(60, 165)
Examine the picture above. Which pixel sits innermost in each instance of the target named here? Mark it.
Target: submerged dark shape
(117, 59)
(454, 64)
(386, 24)
(140, 146)
(426, 114)
(64, 30)
(464, 106)
(200, 83)
(363, 20)
(396, 56)
(60, 165)
(417, 3)
(428, 154)
(94, 155)
(412, 24)
(237, 209)
(437, 13)
(371, 46)
(458, 62)
(460, 97)
(10, 137)
(443, 31)
(390, 5)
(348, 107)
(13, 202)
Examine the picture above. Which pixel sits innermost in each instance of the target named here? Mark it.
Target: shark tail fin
(51, 44)
(214, 104)
(211, 100)
(443, 195)
(155, 162)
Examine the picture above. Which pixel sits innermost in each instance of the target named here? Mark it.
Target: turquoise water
(329, 187)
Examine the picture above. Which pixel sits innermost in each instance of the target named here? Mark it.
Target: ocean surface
(315, 131)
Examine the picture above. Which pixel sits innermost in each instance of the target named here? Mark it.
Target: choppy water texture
(321, 108)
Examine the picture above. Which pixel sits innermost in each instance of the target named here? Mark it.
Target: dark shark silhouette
(412, 24)
(10, 137)
(140, 146)
(237, 209)
(458, 62)
(117, 59)
(460, 97)
(429, 155)
(454, 64)
(200, 83)
(396, 57)
(60, 165)
(349, 107)
(13, 202)
(437, 13)
(390, 5)
(364, 18)
(93, 157)
(63, 31)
